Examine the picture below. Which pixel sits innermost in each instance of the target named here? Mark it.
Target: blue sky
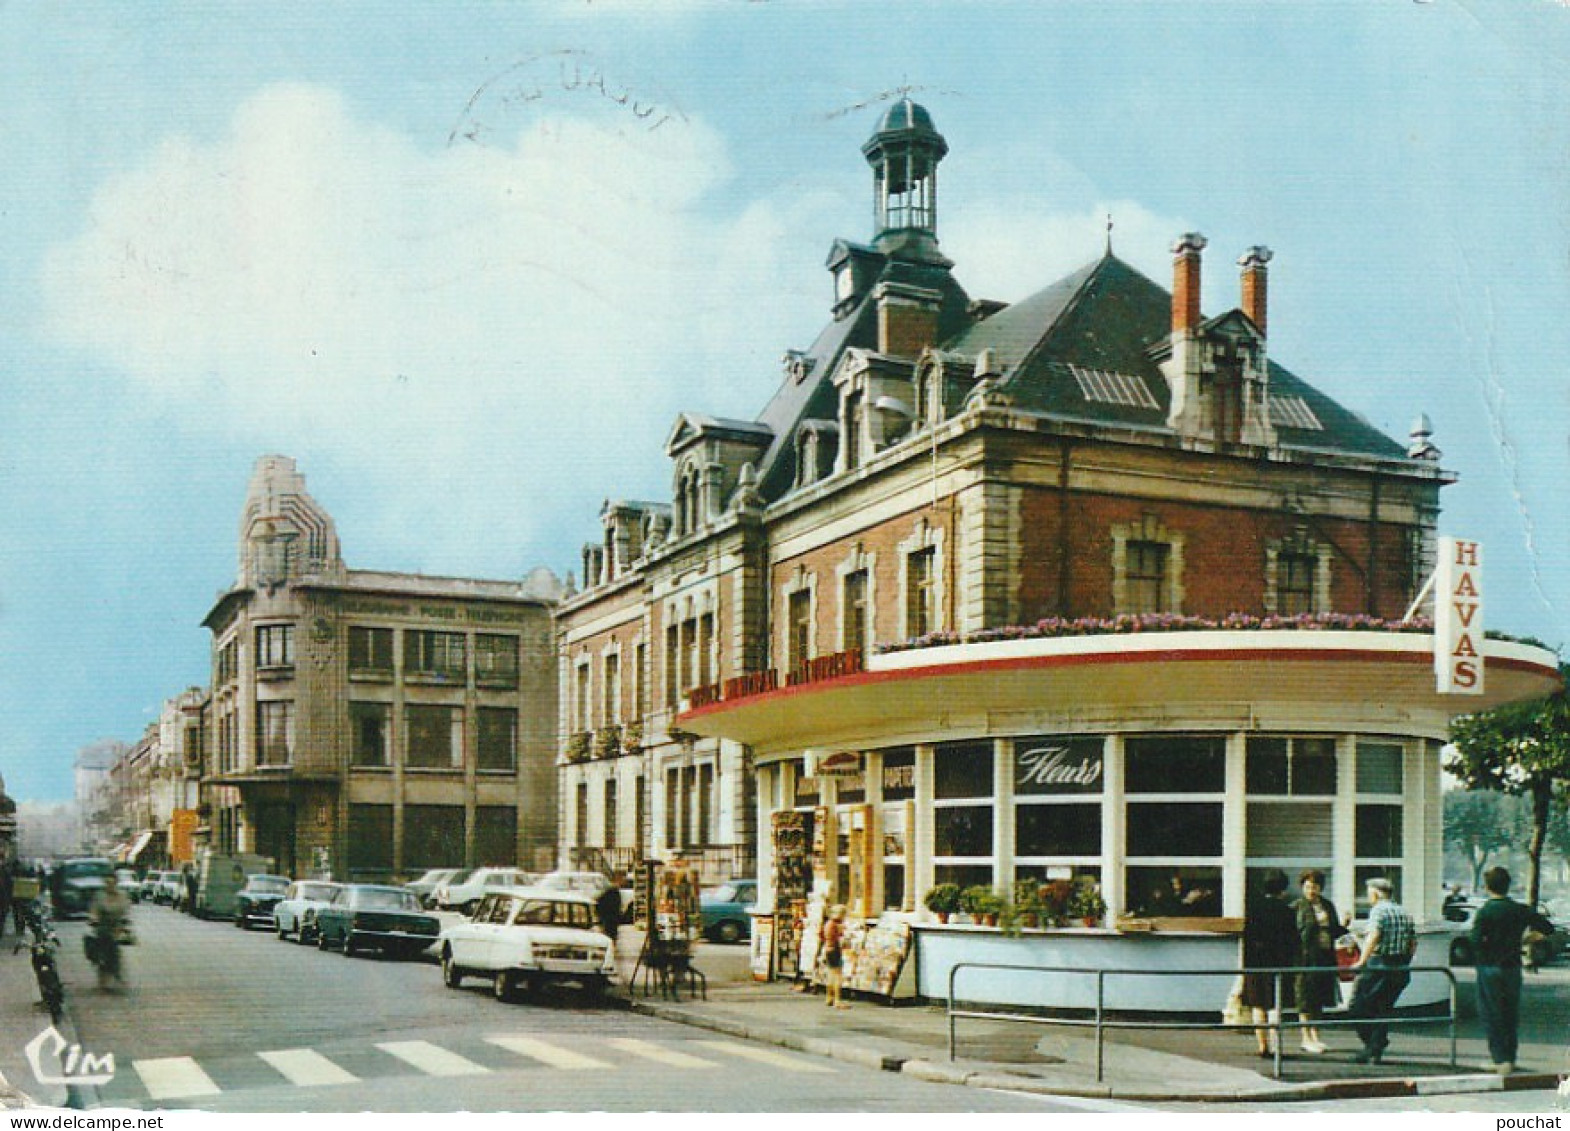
(465, 263)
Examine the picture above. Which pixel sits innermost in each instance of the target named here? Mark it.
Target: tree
(1522, 748)
(1478, 823)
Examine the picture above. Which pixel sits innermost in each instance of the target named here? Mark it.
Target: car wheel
(303, 935)
(322, 942)
(728, 931)
(348, 944)
(501, 985)
(452, 977)
(469, 908)
(240, 921)
(282, 934)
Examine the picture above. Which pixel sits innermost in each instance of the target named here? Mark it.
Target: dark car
(74, 883)
(375, 917)
(254, 902)
(1536, 949)
(724, 910)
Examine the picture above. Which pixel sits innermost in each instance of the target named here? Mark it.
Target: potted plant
(982, 904)
(943, 901)
(1026, 905)
(1054, 896)
(1086, 904)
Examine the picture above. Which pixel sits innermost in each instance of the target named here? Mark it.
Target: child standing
(834, 956)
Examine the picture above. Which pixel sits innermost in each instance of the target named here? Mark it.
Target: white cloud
(489, 338)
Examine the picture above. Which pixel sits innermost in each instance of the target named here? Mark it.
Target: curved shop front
(1157, 774)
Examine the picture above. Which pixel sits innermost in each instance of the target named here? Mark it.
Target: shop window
(435, 655)
(1254, 882)
(371, 841)
(432, 836)
(1289, 834)
(965, 875)
(963, 769)
(1378, 831)
(1379, 767)
(1057, 830)
(1175, 765)
(496, 660)
(370, 650)
(495, 835)
(1184, 891)
(435, 737)
(1365, 872)
(899, 774)
(275, 733)
(1161, 828)
(496, 738)
(1302, 767)
(1046, 873)
(962, 831)
(893, 887)
(370, 726)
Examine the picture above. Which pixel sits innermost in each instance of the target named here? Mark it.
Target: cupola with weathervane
(904, 154)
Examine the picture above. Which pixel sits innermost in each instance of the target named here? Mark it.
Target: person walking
(1318, 929)
(109, 922)
(834, 957)
(7, 886)
(1497, 930)
(1382, 968)
(1269, 939)
(607, 909)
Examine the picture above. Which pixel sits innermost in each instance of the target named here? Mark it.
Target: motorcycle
(43, 944)
(102, 945)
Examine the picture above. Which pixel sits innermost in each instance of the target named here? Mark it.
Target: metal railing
(1101, 1022)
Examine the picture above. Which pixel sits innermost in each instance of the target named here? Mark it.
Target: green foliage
(1482, 822)
(943, 899)
(1521, 748)
(980, 900)
(1086, 902)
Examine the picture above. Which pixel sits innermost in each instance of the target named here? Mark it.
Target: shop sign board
(840, 764)
(1458, 617)
(1058, 764)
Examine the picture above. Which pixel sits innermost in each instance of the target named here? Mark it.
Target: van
(220, 877)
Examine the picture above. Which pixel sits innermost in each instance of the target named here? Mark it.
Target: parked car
(295, 914)
(130, 883)
(724, 910)
(375, 917)
(1536, 950)
(524, 938)
(74, 883)
(591, 884)
(424, 888)
(255, 901)
(463, 893)
(171, 888)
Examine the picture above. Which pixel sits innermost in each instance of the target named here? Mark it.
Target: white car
(295, 913)
(464, 891)
(129, 884)
(170, 889)
(525, 937)
(591, 884)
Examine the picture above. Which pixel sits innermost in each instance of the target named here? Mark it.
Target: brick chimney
(907, 318)
(1185, 282)
(1254, 284)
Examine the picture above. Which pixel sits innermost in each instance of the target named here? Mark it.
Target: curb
(944, 1072)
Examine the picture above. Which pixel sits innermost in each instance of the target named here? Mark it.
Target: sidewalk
(1148, 1066)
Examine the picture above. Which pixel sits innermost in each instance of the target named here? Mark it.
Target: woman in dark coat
(1270, 938)
(1318, 929)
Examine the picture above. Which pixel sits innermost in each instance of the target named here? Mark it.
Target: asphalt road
(218, 1019)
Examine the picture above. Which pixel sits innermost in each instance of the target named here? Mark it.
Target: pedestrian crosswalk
(183, 1078)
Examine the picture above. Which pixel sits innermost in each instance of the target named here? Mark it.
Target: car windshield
(272, 885)
(549, 912)
(76, 869)
(462, 875)
(317, 891)
(435, 876)
(379, 900)
(721, 893)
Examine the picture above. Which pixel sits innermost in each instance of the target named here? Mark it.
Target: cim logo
(1458, 617)
(77, 1066)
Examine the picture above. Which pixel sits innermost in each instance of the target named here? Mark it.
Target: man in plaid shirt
(1382, 967)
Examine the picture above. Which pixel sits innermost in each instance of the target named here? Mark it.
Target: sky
(466, 262)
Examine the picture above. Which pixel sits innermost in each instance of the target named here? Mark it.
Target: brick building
(369, 724)
(936, 469)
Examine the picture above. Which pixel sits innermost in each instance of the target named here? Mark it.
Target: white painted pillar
(767, 800)
(1234, 827)
(921, 878)
(1003, 816)
(872, 775)
(1113, 816)
(1343, 824)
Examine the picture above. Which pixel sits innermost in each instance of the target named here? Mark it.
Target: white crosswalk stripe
(651, 1051)
(307, 1068)
(548, 1053)
(432, 1059)
(174, 1077)
(765, 1056)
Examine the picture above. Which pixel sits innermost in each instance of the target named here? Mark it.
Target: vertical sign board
(1458, 617)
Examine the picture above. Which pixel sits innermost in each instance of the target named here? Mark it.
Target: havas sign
(1458, 617)
(1058, 764)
